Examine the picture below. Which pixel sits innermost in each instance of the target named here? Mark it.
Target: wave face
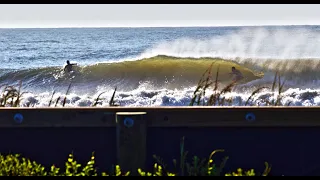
(168, 72)
(157, 72)
(159, 66)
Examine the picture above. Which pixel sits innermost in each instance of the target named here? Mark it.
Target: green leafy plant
(251, 172)
(116, 172)
(198, 167)
(15, 165)
(157, 171)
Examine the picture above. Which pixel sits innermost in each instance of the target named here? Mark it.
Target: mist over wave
(255, 43)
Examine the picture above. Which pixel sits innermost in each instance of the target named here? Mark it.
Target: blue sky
(149, 15)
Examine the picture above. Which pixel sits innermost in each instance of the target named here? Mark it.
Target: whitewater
(160, 66)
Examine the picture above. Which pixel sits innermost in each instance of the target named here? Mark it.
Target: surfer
(68, 67)
(237, 74)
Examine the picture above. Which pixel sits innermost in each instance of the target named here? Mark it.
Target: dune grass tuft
(11, 95)
(206, 82)
(217, 99)
(279, 92)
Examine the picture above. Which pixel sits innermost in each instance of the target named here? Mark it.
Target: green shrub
(250, 172)
(15, 165)
(198, 167)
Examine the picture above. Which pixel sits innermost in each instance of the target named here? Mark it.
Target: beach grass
(212, 84)
(11, 95)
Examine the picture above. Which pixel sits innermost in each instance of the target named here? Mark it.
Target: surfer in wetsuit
(237, 74)
(68, 67)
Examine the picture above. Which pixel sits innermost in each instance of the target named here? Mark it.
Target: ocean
(160, 66)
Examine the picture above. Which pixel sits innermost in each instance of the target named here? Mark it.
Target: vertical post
(131, 140)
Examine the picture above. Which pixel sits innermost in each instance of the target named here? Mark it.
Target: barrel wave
(160, 72)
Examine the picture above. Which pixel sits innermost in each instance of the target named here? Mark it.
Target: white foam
(164, 97)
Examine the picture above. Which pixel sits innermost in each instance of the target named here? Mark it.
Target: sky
(155, 15)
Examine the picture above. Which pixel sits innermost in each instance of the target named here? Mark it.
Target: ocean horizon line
(196, 26)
